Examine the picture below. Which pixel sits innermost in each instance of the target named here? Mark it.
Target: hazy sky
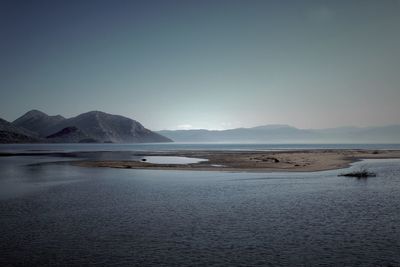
(204, 64)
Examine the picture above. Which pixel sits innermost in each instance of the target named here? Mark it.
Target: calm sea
(60, 215)
(186, 146)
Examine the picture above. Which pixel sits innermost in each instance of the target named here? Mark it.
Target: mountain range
(91, 127)
(100, 127)
(289, 134)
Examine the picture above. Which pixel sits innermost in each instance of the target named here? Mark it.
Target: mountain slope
(38, 122)
(9, 133)
(70, 135)
(105, 127)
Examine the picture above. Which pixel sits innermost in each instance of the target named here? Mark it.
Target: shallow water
(171, 160)
(57, 214)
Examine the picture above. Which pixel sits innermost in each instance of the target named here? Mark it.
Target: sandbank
(253, 161)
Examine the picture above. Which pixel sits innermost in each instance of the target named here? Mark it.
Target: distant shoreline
(257, 161)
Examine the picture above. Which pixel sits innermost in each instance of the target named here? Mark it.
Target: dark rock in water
(144, 159)
(10, 133)
(70, 134)
(38, 122)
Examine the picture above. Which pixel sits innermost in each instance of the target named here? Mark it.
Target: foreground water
(57, 214)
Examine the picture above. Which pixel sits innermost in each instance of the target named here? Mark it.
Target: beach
(251, 161)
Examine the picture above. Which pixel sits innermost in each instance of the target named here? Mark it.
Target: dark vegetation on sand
(361, 173)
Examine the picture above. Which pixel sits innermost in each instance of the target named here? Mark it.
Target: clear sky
(204, 64)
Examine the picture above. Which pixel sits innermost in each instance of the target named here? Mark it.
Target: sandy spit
(274, 161)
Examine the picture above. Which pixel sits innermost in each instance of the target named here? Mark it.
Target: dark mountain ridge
(105, 127)
(93, 126)
(37, 122)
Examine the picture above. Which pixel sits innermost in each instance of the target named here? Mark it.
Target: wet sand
(253, 161)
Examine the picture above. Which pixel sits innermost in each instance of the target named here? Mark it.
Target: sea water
(185, 146)
(57, 214)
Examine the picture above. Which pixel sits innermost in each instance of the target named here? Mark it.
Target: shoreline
(254, 161)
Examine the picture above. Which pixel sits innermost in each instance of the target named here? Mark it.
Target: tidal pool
(171, 160)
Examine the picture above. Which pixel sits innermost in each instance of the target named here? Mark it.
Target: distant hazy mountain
(38, 122)
(10, 133)
(70, 135)
(105, 127)
(267, 133)
(383, 134)
(288, 134)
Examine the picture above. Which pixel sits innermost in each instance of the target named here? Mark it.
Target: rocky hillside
(105, 127)
(70, 135)
(38, 122)
(94, 126)
(10, 133)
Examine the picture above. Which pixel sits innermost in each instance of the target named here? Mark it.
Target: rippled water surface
(57, 214)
